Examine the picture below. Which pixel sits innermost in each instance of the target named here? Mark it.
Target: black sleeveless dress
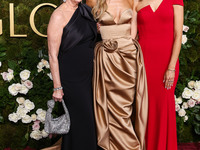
(76, 70)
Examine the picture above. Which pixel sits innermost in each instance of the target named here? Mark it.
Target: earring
(64, 0)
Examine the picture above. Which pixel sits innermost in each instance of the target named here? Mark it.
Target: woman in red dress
(160, 24)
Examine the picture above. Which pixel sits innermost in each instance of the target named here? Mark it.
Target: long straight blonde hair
(99, 8)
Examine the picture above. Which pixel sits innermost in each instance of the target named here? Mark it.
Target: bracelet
(59, 88)
(172, 70)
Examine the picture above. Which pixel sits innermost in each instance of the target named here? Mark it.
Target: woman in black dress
(71, 40)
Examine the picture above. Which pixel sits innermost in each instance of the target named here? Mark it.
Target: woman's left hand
(169, 78)
(98, 27)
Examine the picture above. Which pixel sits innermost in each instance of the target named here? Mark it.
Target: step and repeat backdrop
(26, 81)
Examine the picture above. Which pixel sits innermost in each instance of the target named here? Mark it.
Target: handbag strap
(65, 109)
(51, 104)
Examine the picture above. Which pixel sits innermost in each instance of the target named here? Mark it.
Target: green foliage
(189, 69)
(19, 54)
(190, 53)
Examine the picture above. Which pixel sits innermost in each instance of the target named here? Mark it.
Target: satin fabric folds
(119, 86)
(120, 95)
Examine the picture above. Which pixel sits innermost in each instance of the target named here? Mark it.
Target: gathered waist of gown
(115, 31)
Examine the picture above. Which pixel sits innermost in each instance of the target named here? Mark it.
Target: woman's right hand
(58, 95)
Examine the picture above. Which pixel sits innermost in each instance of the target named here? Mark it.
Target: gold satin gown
(120, 86)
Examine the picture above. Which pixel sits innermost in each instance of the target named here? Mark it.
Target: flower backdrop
(187, 90)
(26, 82)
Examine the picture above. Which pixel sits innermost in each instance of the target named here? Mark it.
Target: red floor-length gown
(156, 37)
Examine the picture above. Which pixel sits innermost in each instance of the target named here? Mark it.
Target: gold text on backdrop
(1, 27)
(32, 16)
(31, 19)
(12, 23)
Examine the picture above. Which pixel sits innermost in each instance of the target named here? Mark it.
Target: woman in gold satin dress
(120, 86)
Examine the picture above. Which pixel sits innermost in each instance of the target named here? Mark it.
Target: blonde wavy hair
(99, 8)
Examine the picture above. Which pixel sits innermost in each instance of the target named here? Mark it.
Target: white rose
(39, 70)
(197, 85)
(185, 28)
(39, 110)
(12, 90)
(50, 76)
(184, 39)
(185, 105)
(44, 134)
(40, 65)
(41, 117)
(28, 84)
(13, 117)
(10, 70)
(36, 134)
(24, 90)
(191, 103)
(0, 63)
(178, 100)
(47, 66)
(25, 74)
(10, 76)
(196, 95)
(187, 93)
(21, 111)
(182, 112)
(177, 107)
(41, 114)
(45, 63)
(191, 84)
(185, 118)
(26, 119)
(4, 76)
(18, 87)
(29, 105)
(20, 100)
(34, 117)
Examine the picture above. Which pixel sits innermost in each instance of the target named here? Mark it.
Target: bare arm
(134, 20)
(54, 34)
(178, 27)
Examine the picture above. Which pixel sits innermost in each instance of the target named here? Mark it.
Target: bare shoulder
(57, 16)
(133, 3)
(136, 2)
(130, 2)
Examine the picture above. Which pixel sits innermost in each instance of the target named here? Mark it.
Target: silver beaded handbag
(60, 125)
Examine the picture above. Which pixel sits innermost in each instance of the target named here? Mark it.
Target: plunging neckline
(119, 15)
(151, 7)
